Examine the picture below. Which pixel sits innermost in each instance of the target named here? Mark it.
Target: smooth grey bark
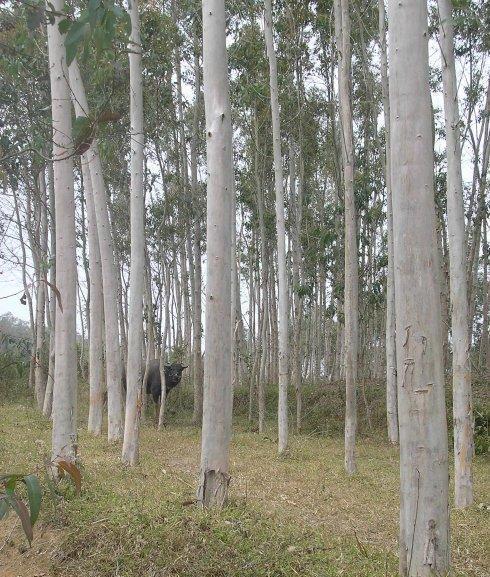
(391, 392)
(197, 310)
(462, 396)
(42, 242)
(424, 514)
(109, 271)
(264, 308)
(64, 413)
(48, 395)
(351, 280)
(218, 393)
(297, 202)
(282, 316)
(96, 311)
(134, 403)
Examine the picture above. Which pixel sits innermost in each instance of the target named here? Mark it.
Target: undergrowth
(298, 515)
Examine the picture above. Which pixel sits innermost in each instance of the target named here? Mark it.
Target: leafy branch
(28, 515)
(98, 21)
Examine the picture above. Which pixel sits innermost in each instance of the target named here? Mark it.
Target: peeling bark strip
(218, 393)
(424, 518)
(214, 488)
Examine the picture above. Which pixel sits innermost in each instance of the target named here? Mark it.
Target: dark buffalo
(173, 375)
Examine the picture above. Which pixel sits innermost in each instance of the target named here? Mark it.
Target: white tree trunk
(40, 368)
(64, 439)
(283, 316)
(424, 516)
(297, 202)
(218, 394)
(137, 273)
(163, 398)
(197, 312)
(391, 393)
(342, 32)
(96, 363)
(109, 272)
(462, 401)
(48, 395)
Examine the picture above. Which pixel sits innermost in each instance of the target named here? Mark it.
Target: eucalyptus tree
(96, 310)
(424, 516)
(109, 273)
(41, 279)
(343, 41)
(282, 411)
(48, 394)
(64, 412)
(462, 396)
(391, 387)
(218, 394)
(197, 311)
(130, 450)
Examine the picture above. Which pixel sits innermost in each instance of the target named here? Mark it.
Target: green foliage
(83, 133)
(10, 499)
(98, 22)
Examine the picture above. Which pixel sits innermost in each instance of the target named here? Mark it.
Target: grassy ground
(298, 515)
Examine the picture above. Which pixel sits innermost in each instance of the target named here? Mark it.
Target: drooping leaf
(9, 482)
(82, 134)
(56, 292)
(34, 494)
(71, 53)
(102, 39)
(64, 26)
(76, 33)
(4, 507)
(73, 471)
(19, 507)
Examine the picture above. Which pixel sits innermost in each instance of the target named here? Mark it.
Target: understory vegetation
(299, 515)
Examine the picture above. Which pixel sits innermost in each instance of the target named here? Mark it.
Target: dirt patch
(17, 559)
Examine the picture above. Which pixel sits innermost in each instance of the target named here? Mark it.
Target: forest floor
(296, 515)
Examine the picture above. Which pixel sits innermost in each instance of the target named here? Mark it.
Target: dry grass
(298, 515)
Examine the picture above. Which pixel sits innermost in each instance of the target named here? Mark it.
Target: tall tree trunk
(40, 368)
(424, 518)
(282, 316)
(27, 289)
(109, 271)
(342, 32)
(462, 400)
(64, 438)
(48, 395)
(96, 311)
(262, 286)
(297, 202)
(484, 351)
(391, 393)
(130, 450)
(197, 312)
(218, 393)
